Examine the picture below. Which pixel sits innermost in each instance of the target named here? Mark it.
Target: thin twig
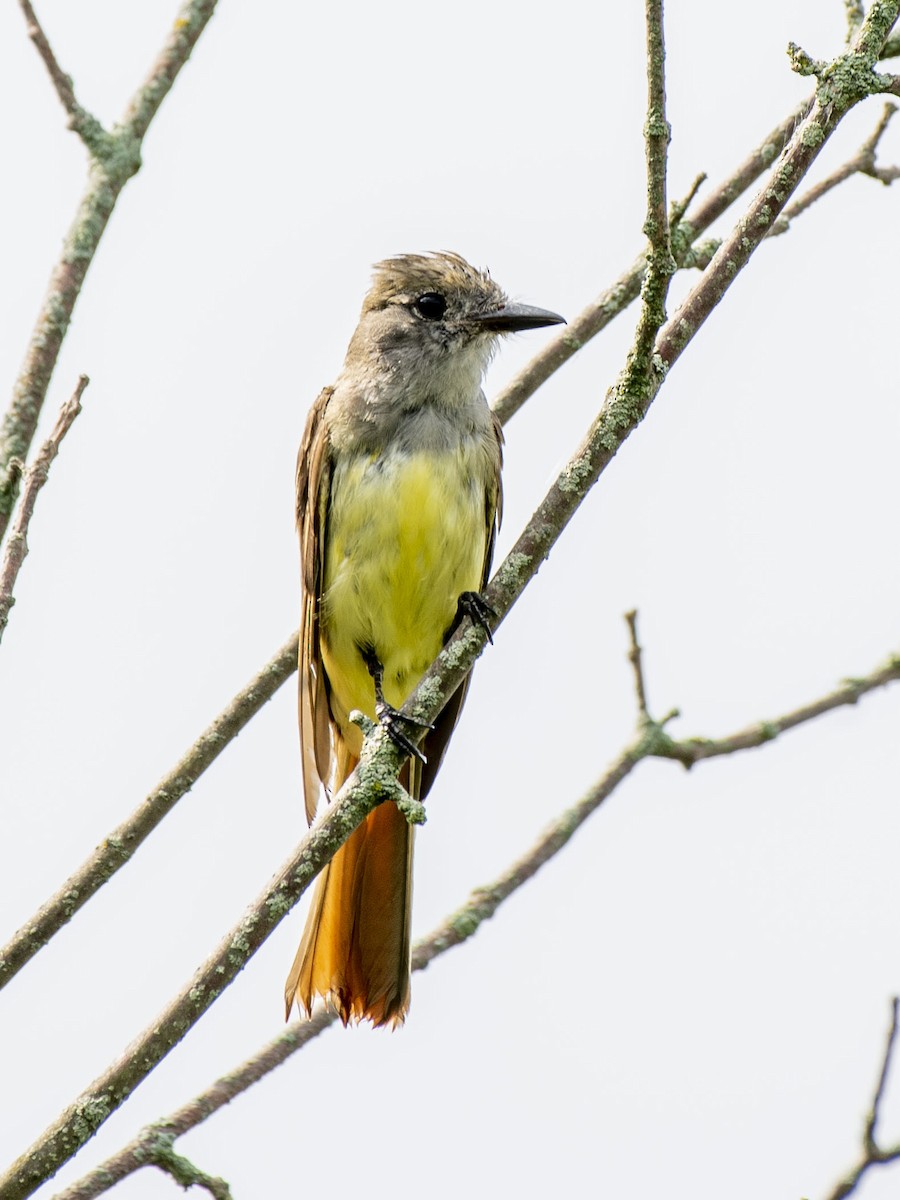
(842, 85)
(618, 296)
(634, 657)
(855, 14)
(872, 1154)
(679, 207)
(34, 479)
(116, 849)
(81, 121)
(872, 1118)
(115, 158)
(693, 750)
(457, 928)
(161, 1154)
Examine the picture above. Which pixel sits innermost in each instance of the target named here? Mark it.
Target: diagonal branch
(81, 121)
(843, 84)
(35, 478)
(114, 158)
(863, 162)
(116, 850)
(595, 317)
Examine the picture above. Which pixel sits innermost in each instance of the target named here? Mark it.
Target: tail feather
(355, 948)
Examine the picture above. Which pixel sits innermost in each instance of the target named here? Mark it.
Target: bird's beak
(512, 317)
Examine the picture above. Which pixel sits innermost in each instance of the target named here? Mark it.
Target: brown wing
(313, 484)
(435, 744)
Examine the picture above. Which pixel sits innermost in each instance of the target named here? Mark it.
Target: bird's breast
(406, 534)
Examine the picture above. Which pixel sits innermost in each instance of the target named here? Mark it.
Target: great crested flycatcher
(398, 502)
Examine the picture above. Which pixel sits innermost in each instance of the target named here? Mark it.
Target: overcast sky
(692, 998)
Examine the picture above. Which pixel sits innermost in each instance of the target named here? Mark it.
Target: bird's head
(438, 313)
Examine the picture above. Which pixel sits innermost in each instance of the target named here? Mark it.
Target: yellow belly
(406, 535)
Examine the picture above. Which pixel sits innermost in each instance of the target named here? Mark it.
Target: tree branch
(373, 781)
(117, 849)
(162, 1155)
(842, 84)
(693, 750)
(594, 318)
(35, 478)
(863, 162)
(81, 121)
(872, 1154)
(114, 158)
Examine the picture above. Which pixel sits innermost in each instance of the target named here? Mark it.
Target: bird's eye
(431, 306)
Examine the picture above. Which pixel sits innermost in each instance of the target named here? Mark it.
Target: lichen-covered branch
(689, 751)
(114, 157)
(80, 120)
(842, 84)
(863, 162)
(34, 479)
(373, 781)
(613, 300)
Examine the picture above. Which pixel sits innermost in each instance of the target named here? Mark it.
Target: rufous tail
(354, 952)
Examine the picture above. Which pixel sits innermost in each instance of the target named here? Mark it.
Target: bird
(398, 502)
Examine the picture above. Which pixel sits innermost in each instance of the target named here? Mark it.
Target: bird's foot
(474, 606)
(392, 721)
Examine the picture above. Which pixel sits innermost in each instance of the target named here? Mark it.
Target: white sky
(692, 999)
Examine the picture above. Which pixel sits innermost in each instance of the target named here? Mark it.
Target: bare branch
(872, 1118)
(138, 1151)
(115, 158)
(162, 1155)
(863, 162)
(373, 781)
(35, 478)
(856, 14)
(634, 657)
(843, 84)
(619, 295)
(693, 750)
(80, 120)
(872, 1154)
(657, 135)
(116, 849)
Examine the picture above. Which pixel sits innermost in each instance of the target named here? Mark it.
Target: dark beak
(513, 317)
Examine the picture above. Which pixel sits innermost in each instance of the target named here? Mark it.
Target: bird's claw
(392, 721)
(476, 608)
